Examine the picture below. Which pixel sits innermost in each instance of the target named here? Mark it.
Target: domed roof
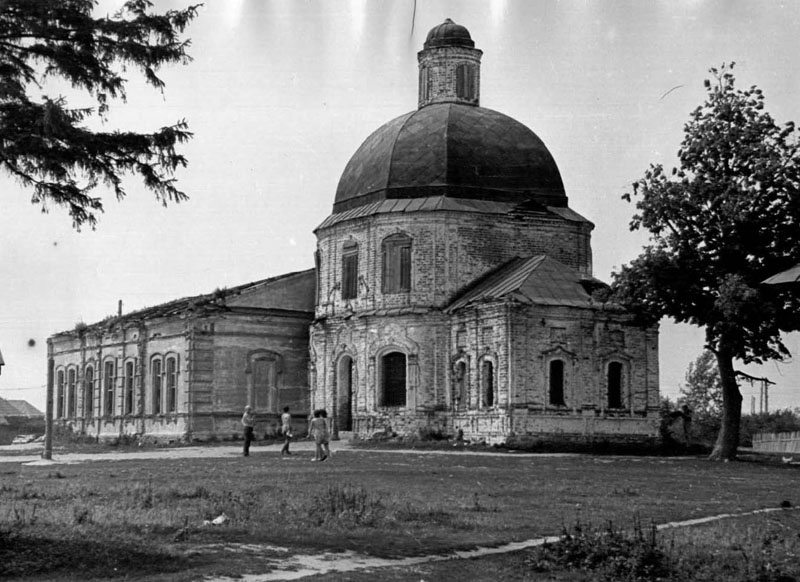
(453, 150)
(448, 33)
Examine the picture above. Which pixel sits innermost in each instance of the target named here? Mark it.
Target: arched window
(615, 385)
(350, 270)
(60, 394)
(129, 382)
(172, 383)
(487, 383)
(465, 82)
(71, 393)
(393, 379)
(397, 264)
(88, 392)
(556, 393)
(155, 375)
(108, 387)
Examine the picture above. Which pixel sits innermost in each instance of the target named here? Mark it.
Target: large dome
(453, 150)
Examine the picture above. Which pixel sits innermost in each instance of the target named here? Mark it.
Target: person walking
(326, 446)
(318, 430)
(249, 423)
(286, 429)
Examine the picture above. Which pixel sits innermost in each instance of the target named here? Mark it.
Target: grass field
(144, 519)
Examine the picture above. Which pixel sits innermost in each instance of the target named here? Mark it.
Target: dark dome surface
(454, 150)
(448, 33)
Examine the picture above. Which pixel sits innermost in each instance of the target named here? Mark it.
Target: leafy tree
(723, 221)
(45, 143)
(702, 392)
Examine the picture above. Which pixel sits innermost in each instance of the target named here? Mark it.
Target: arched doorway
(344, 394)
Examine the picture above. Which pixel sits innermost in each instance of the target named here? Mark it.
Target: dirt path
(296, 566)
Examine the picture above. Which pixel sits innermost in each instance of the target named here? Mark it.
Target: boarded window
(172, 383)
(615, 385)
(108, 388)
(350, 271)
(71, 402)
(487, 381)
(60, 394)
(556, 383)
(129, 379)
(155, 373)
(88, 392)
(397, 264)
(465, 82)
(460, 385)
(265, 369)
(394, 379)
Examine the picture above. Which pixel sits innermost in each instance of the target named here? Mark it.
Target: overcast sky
(282, 92)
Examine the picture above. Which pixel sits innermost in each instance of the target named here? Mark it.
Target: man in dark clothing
(249, 423)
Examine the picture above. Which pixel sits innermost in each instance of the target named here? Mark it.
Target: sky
(281, 93)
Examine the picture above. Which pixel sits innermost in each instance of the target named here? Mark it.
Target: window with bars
(172, 383)
(71, 402)
(108, 388)
(129, 383)
(60, 394)
(88, 392)
(155, 374)
(350, 270)
(397, 264)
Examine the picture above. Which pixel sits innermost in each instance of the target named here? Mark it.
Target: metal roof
(210, 302)
(435, 203)
(455, 150)
(538, 280)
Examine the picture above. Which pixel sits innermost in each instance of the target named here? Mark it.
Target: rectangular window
(172, 384)
(108, 388)
(465, 76)
(155, 370)
(397, 264)
(350, 273)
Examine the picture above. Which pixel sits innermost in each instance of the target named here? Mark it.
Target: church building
(452, 291)
(455, 282)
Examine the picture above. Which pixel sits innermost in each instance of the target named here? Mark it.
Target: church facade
(455, 283)
(452, 292)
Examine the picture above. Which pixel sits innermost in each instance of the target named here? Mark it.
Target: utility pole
(47, 454)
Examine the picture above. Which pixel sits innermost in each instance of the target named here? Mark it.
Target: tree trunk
(728, 439)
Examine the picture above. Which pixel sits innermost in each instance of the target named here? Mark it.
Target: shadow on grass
(35, 556)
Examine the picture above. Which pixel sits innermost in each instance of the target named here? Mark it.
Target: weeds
(613, 553)
(345, 505)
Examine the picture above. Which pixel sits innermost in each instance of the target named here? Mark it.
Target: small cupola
(449, 66)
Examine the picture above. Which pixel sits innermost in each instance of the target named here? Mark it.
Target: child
(286, 429)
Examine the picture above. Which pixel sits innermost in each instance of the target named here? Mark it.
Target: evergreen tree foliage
(46, 144)
(720, 223)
